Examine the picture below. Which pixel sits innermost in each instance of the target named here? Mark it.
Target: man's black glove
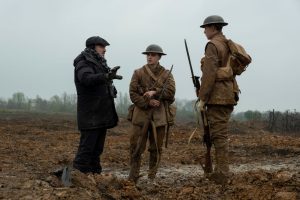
(112, 74)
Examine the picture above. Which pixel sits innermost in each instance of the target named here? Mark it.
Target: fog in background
(40, 39)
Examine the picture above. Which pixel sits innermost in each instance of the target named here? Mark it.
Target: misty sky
(40, 39)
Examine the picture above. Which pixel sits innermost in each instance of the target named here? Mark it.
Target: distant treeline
(66, 103)
(286, 122)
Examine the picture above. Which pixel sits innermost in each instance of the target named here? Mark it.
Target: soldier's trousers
(218, 117)
(90, 148)
(155, 152)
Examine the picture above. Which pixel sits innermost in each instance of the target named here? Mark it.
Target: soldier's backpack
(238, 59)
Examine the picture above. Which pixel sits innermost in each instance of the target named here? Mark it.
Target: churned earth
(265, 165)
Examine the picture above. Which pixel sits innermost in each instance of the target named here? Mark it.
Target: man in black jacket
(95, 103)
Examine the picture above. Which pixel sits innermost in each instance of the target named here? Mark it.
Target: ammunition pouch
(224, 73)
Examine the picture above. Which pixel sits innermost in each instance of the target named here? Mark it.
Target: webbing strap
(155, 78)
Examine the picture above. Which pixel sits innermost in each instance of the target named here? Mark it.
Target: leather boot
(135, 166)
(153, 165)
(221, 170)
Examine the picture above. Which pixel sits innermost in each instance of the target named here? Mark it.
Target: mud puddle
(188, 171)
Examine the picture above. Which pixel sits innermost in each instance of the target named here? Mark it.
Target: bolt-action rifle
(207, 164)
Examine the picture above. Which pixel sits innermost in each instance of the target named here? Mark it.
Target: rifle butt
(208, 161)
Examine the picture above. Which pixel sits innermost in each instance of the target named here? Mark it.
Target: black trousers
(90, 148)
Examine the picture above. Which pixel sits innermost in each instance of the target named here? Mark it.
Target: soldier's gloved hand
(201, 105)
(112, 74)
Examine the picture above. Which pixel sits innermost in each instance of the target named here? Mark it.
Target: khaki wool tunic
(213, 91)
(142, 82)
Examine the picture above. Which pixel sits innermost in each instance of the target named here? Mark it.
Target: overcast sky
(40, 39)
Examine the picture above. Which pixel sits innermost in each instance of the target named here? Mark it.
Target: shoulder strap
(219, 44)
(150, 73)
(155, 78)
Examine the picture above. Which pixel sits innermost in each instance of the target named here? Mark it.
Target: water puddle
(188, 171)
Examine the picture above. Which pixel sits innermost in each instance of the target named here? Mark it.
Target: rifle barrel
(190, 63)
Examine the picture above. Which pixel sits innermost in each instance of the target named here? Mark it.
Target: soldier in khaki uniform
(217, 94)
(145, 89)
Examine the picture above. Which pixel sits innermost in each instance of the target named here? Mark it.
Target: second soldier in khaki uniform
(217, 94)
(146, 93)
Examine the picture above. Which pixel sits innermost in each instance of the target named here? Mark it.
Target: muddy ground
(265, 165)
